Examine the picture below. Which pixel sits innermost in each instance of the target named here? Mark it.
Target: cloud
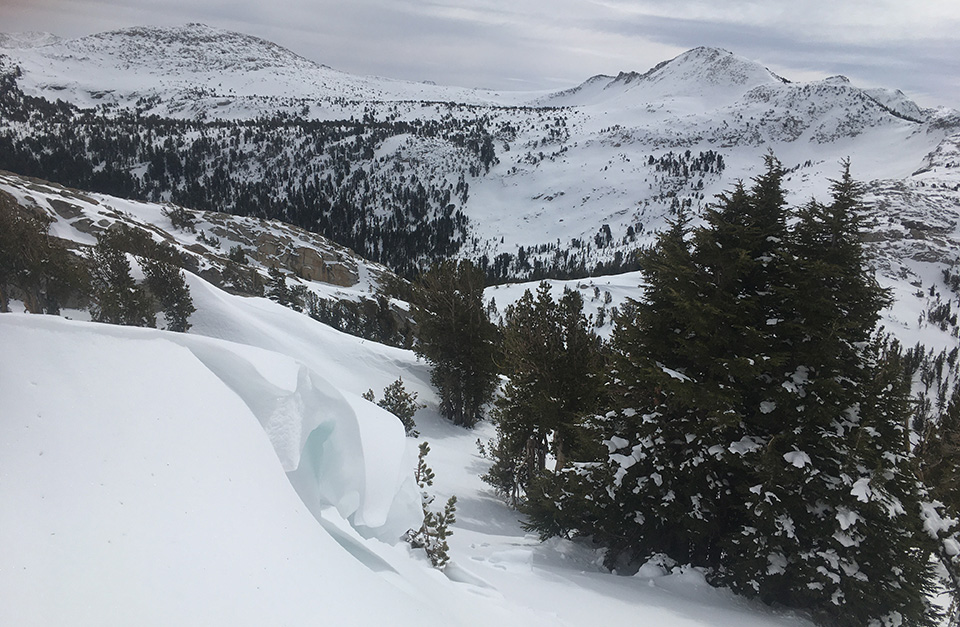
(557, 43)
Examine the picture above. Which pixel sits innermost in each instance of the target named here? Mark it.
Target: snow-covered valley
(234, 474)
(547, 182)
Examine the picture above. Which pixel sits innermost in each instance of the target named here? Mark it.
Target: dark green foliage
(373, 319)
(552, 360)
(401, 403)
(457, 338)
(118, 299)
(33, 265)
(940, 468)
(319, 175)
(277, 290)
(761, 431)
(433, 533)
(181, 219)
(166, 282)
(236, 254)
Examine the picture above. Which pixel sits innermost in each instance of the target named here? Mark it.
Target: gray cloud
(543, 44)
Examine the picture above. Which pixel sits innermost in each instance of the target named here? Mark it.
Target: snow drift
(139, 489)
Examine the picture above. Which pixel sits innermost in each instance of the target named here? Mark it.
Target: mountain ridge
(533, 184)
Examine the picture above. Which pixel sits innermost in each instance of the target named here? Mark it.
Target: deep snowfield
(142, 482)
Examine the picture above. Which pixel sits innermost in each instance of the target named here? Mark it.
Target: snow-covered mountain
(195, 68)
(616, 151)
(236, 469)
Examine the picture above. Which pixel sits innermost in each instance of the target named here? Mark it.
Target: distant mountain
(709, 76)
(194, 69)
(27, 40)
(529, 184)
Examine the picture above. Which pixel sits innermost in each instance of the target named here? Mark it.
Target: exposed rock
(65, 209)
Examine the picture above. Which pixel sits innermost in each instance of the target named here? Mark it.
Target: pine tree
(433, 533)
(118, 299)
(399, 402)
(834, 502)
(34, 264)
(940, 469)
(553, 362)
(166, 283)
(761, 430)
(457, 338)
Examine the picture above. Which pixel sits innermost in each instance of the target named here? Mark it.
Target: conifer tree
(833, 500)
(399, 402)
(32, 262)
(940, 470)
(457, 338)
(168, 286)
(761, 430)
(118, 299)
(552, 360)
(433, 533)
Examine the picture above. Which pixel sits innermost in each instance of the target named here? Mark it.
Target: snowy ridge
(27, 40)
(569, 166)
(326, 268)
(568, 163)
(710, 76)
(219, 70)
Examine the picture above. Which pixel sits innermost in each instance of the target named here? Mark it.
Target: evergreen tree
(552, 360)
(117, 298)
(166, 283)
(32, 263)
(761, 431)
(457, 338)
(940, 470)
(433, 533)
(399, 402)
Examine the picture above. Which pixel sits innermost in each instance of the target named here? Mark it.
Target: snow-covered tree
(457, 338)
(761, 428)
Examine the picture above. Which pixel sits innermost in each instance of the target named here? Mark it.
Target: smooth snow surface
(153, 478)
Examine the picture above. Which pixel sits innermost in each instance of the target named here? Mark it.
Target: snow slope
(139, 488)
(142, 474)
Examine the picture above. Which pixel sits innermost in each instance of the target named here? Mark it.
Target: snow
(797, 458)
(237, 471)
(846, 518)
(546, 189)
(744, 445)
(138, 488)
(861, 490)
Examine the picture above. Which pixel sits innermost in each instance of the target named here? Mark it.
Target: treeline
(747, 417)
(324, 176)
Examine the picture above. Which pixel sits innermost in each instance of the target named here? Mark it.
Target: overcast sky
(552, 44)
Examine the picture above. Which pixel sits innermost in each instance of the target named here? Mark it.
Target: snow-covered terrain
(615, 151)
(142, 474)
(142, 470)
(234, 475)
